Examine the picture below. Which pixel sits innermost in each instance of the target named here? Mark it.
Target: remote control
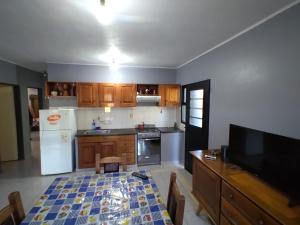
(142, 176)
(210, 157)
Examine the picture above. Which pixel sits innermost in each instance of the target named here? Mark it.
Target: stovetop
(148, 132)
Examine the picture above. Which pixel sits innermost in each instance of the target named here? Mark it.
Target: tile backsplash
(126, 117)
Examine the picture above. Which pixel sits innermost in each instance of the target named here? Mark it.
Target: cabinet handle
(261, 222)
(231, 196)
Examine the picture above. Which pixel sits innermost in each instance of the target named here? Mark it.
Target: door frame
(206, 111)
(18, 115)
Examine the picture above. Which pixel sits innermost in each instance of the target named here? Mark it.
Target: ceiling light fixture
(114, 58)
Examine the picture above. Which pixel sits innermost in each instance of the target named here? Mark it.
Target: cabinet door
(107, 149)
(107, 95)
(87, 95)
(127, 95)
(172, 95)
(206, 188)
(162, 94)
(86, 155)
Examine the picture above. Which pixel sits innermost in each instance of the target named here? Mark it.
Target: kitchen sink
(106, 131)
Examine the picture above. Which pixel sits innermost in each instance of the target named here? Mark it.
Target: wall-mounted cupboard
(106, 95)
(170, 95)
(112, 94)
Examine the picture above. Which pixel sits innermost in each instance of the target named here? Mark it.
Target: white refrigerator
(57, 145)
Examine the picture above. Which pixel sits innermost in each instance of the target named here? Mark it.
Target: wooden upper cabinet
(108, 95)
(87, 95)
(170, 94)
(127, 95)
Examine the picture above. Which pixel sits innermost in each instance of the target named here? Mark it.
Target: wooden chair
(111, 164)
(176, 202)
(14, 212)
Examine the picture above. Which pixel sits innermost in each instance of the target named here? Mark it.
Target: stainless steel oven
(149, 151)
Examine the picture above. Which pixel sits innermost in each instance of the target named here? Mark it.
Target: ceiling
(148, 33)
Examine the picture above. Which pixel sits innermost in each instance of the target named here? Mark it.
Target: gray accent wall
(23, 78)
(93, 73)
(255, 79)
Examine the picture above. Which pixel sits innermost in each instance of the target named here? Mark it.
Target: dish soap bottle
(93, 125)
(98, 124)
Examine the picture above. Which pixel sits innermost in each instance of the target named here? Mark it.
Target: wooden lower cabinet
(107, 146)
(86, 154)
(107, 149)
(206, 188)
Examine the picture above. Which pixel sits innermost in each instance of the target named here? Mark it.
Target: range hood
(147, 98)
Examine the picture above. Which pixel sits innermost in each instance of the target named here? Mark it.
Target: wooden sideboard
(232, 196)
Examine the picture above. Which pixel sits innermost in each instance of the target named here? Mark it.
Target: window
(196, 107)
(183, 103)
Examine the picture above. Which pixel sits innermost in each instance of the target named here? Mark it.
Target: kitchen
(112, 119)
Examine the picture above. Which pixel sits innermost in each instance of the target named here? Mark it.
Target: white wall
(126, 117)
(8, 130)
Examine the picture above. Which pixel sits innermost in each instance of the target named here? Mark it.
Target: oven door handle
(149, 139)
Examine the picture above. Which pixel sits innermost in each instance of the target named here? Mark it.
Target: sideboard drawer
(254, 214)
(224, 220)
(232, 214)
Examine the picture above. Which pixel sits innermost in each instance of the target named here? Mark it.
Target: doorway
(9, 148)
(34, 122)
(195, 115)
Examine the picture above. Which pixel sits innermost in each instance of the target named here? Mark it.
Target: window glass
(197, 93)
(196, 103)
(183, 113)
(198, 113)
(196, 122)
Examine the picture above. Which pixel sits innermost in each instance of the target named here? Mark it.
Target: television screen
(274, 158)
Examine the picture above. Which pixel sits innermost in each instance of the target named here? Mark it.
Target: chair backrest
(176, 202)
(111, 164)
(14, 212)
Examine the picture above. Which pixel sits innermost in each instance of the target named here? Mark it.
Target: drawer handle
(261, 222)
(231, 196)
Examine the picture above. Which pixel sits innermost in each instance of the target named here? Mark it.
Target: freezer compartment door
(57, 148)
(57, 119)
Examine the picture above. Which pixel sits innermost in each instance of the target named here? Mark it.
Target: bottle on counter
(98, 127)
(93, 125)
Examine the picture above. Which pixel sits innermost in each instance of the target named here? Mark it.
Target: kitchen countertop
(126, 131)
(169, 130)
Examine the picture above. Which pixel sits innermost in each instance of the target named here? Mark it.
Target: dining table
(110, 198)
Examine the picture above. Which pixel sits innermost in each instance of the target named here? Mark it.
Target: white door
(56, 152)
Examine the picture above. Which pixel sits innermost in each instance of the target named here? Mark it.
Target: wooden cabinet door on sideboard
(87, 95)
(206, 188)
(127, 95)
(108, 95)
(86, 154)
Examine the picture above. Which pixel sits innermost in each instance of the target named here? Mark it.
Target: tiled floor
(24, 176)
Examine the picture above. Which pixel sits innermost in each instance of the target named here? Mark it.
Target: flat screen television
(273, 158)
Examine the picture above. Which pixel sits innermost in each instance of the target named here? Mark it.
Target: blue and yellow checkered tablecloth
(112, 198)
